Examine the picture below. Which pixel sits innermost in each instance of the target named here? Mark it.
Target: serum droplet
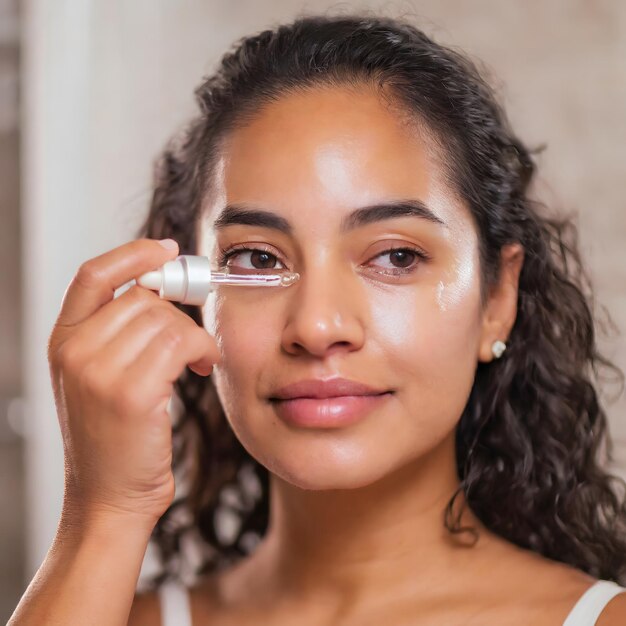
(289, 279)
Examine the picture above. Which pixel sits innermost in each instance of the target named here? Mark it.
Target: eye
(402, 260)
(257, 258)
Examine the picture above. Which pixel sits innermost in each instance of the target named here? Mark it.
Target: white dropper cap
(186, 279)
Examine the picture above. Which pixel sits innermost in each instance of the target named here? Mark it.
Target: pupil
(264, 258)
(403, 256)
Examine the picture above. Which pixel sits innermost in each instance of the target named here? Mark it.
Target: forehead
(326, 148)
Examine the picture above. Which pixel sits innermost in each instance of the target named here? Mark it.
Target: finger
(163, 360)
(97, 279)
(124, 349)
(111, 319)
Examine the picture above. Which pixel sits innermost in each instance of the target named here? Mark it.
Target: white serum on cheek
(461, 277)
(451, 293)
(441, 302)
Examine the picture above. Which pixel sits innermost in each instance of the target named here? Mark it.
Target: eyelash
(233, 250)
(398, 271)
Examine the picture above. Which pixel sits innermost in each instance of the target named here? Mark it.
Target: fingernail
(168, 244)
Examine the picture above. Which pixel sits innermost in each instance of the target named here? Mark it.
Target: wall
(12, 505)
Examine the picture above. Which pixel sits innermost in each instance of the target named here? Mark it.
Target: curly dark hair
(532, 444)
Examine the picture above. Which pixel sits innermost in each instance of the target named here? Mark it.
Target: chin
(319, 472)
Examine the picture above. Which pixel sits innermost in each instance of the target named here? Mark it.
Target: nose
(326, 313)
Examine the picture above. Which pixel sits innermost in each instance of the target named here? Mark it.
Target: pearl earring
(498, 348)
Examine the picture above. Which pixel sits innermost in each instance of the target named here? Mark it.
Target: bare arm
(88, 576)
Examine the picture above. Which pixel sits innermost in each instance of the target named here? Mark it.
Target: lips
(327, 403)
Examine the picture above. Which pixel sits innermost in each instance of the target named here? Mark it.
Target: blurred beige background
(91, 89)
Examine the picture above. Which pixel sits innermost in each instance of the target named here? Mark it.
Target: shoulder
(559, 587)
(145, 610)
(614, 614)
(539, 587)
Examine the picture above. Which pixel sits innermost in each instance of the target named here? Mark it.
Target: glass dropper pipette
(188, 279)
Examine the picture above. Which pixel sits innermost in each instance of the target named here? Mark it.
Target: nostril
(319, 327)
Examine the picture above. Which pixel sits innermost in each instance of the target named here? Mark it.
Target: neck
(350, 543)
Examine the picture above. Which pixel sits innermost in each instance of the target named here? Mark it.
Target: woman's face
(397, 322)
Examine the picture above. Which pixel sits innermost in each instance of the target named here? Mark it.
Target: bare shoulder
(145, 610)
(614, 613)
(541, 589)
(527, 569)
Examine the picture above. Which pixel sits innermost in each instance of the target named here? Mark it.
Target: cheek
(246, 335)
(433, 326)
(428, 337)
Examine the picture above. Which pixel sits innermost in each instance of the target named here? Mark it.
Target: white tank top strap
(589, 606)
(174, 602)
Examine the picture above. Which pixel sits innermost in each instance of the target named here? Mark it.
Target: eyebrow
(252, 216)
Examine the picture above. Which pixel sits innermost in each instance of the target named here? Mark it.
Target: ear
(501, 307)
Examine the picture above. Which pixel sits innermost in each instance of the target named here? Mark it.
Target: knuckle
(90, 274)
(91, 381)
(159, 316)
(67, 356)
(171, 339)
(140, 294)
(126, 401)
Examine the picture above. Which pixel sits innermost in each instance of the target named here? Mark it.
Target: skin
(356, 527)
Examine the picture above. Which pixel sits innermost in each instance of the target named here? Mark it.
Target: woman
(410, 434)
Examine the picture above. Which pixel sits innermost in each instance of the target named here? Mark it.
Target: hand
(113, 363)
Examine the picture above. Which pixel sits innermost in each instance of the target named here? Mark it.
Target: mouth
(330, 403)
